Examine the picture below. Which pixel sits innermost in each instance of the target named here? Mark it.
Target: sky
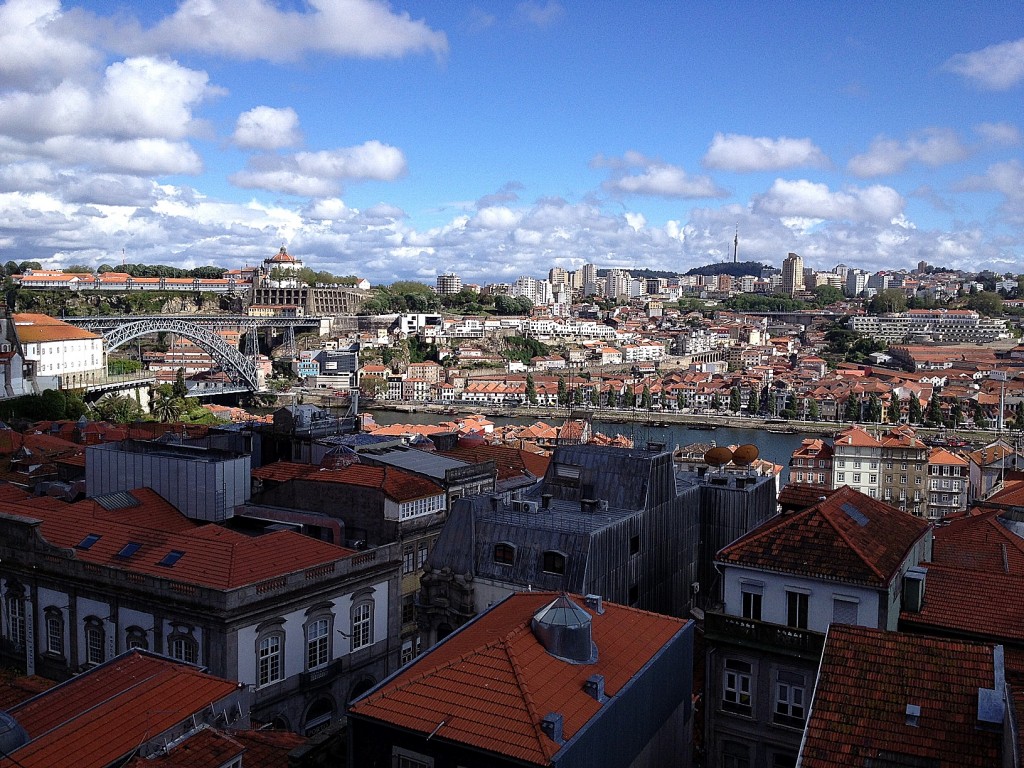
(494, 139)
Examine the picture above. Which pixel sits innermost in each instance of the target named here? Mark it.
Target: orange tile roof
(866, 681)
(492, 682)
(215, 748)
(32, 328)
(99, 718)
(849, 536)
(396, 483)
(213, 557)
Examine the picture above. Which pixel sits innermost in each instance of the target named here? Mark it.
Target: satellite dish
(745, 455)
(717, 457)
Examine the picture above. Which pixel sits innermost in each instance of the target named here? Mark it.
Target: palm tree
(167, 409)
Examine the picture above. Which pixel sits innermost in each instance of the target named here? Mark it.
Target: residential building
(305, 624)
(988, 467)
(888, 698)
(539, 679)
(792, 275)
(948, 480)
(903, 479)
(856, 461)
(812, 463)
(842, 560)
(59, 355)
(448, 284)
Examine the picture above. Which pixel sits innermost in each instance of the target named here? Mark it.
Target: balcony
(763, 635)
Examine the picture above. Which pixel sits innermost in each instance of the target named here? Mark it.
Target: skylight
(88, 541)
(129, 549)
(854, 514)
(171, 558)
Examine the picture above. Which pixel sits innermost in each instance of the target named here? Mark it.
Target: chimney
(594, 687)
(913, 715)
(552, 727)
(992, 701)
(545, 500)
(595, 603)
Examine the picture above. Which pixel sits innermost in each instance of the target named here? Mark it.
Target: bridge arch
(240, 368)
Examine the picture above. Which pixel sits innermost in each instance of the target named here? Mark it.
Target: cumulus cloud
(260, 30)
(320, 174)
(998, 67)
(935, 147)
(999, 134)
(267, 128)
(37, 48)
(803, 198)
(733, 152)
(541, 14)
(1007, 179)
(509, 193)
(635, 174)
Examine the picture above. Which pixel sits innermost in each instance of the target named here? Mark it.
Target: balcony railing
(763, 635)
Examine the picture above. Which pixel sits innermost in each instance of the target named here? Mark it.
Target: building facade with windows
(904, 471)
(59, 355)
(840, 561)
(307, 624)
(856, 461)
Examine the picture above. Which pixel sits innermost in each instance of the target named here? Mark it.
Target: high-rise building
(448, 284)
(792, 275)
(589, 273)
(557, 275)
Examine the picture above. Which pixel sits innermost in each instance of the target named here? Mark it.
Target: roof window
(171, 558)
(128, 550)
(88, 541)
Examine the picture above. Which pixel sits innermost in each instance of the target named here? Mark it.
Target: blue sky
(496, 139)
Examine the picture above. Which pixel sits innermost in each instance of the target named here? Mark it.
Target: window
(269, 660)
(903, 479)
(408, 559)
(408, 609)
(873, 479)
(318, 641)
(841, 477)
(735, 755)
(362, 624)
(421, 554)
(553, 562)
(54, 632)
(16, 619)
(135, 637)
(856, 477)
(504, 554)
(634, 545)
(752, 601)
(796, 609)
(789, 700)
(94, 641)
(411, 649)
(874, 465)
(844, 611)
(736, 687)
(406, 759)
(183, 648)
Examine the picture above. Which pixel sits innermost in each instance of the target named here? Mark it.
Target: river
(772, 446)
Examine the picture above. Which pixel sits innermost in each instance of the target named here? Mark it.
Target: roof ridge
(842, 534)
(531, 706)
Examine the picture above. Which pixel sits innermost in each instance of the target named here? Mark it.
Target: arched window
(319, 717)
(318, 643)
(504, 553)
(95, 641)
(553, 562)
(135, 637)
(183, 648)
(54, 631)
(269, 657)
(362, 624)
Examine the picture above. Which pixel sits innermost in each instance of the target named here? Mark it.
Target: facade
(305, 624)
(540, 679)
(792, 275)
(448, 284)
(812, 463)
(948, 476)
(856, 461)
(952, 326)
(904, 471)
(60, 355)
(842, 561)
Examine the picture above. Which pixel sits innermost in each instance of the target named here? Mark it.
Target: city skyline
(492, 140)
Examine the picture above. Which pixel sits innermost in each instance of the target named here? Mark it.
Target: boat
(703, 427)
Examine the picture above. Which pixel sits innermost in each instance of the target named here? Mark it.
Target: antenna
(736, 245)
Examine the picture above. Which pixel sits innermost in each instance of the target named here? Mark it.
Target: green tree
(166, 409)
(956, 414)
(980, 420)
(824, 295)
(563, 396)
(716, 402)
(735, 400)
(595, 398)
(874, 409)
(629, 398)
(180, 388)
(531, 390)
(77, 269)
(645, 398)
(611, 397)
(118, 408)
(851, 411)
(680, 399)
(753, 401)
(889, 300)
(894, 413)
(986, 303)
(935, 416)
(813, 409)
(577, 395)
(914, 412)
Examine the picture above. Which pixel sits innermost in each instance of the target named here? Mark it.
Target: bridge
(200, 329)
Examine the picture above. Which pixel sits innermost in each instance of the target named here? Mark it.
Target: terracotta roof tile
(397, 484)
(866, 681)
(848, 536)
(215, 748)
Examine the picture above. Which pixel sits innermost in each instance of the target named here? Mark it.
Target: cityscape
(531, 384)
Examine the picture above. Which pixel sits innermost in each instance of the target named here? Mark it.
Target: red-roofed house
(948, 476)
(539, 679)
(303, 622)
(839, 561)
(61, 355)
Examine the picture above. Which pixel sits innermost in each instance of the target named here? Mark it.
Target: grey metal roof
(420, 462)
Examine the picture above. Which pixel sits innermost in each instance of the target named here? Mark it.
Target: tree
(813, 410)
(980, 420)
(716, 402)
(180, 388)
(577, 396)
(986, 303)
(645, 398)
(531, 390)
(563, 397)
(827, 294)
(914, 412)
(118, 408)
(851, 411)
(753, 401)
(956, 414)
(735, 400)
(611, 398)
(894, 413)
(680, 399)
(166, 409)
(874, 410)
(889, 300)
(629, 398)
(77, 269)
(935, 416)
(595, 397)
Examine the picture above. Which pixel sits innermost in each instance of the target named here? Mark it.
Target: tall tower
(792, 275)
(736, 247)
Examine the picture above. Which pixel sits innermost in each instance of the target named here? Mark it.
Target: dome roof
(564, 629)
(12, 735)
(283, 256)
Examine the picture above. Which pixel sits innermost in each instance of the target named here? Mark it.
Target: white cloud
(541, 14)
(998, 67)
(934, 147)
(495, 217)
(267, 128)
(37, 50)
(319, 174)
(732, 152)
(654, 178)
(805, 199)
(999, 134)
(260, 30)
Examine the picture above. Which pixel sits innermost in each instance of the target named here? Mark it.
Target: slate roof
(212, 556)
(867, 679)
(98, 718)
(492, 682)
(849, 537)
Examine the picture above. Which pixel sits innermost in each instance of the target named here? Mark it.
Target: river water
(772, 446)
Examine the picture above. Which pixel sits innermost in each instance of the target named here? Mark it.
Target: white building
(856, 461)
(64, 356)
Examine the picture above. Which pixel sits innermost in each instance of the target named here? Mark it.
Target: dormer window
(553, 562)
(504, 554)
